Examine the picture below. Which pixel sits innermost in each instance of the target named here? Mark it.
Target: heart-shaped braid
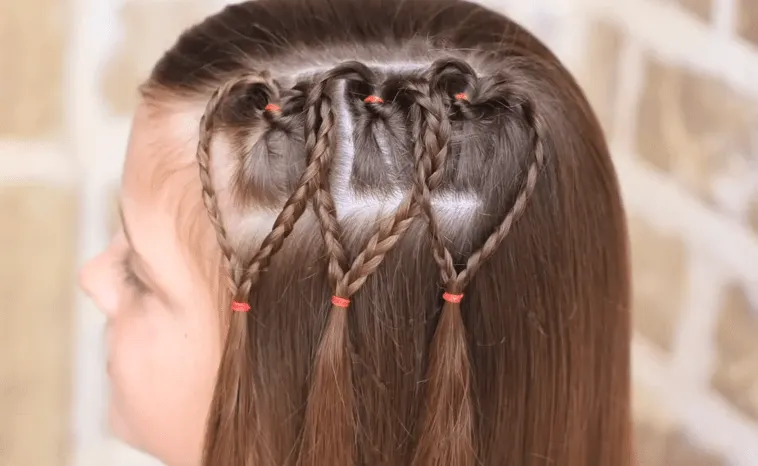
(207, 127)
(236, 349)
(448, 408)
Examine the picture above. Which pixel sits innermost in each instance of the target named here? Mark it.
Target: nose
(96, 278)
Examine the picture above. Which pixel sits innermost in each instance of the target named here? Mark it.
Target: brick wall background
(675, 83)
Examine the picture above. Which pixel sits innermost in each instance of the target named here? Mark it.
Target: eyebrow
(148, 271)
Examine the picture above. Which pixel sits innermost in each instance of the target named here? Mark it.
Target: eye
(130, 277)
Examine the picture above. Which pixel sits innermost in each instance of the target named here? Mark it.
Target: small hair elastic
(373, 99)
(452, 298)
(340, 302)
(461, 96)
(240, 307)
(273, 108)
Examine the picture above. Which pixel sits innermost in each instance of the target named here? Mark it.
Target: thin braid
(386, 237)
(447, 431)
(329, 423)
(207, 126)
(238, 348)
(285, 222)
(431, 133)
(223, 423)
(323, 202)
(479, 257)
(318, 129)
(446, 435)
(320, 126)
(438, 126)
(293, 208)
(330, 413)
(436, 137)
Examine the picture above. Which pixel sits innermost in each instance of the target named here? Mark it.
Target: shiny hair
(417, 204)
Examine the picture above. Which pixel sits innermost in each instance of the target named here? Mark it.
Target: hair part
(421, 213)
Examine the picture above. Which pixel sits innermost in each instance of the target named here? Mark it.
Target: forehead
(160, 185)
(161, 146)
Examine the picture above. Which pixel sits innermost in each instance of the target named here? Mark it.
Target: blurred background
(675, 83)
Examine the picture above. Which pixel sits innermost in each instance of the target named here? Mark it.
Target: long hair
(427, 252)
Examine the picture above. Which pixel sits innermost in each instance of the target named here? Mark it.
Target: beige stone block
(599, 75)
(38, 229)
(700, 8)
(693, 127)
(149, 29)
(649, 444)
(657, 445)
(753, 216)
(653, 422)
(659, 267)
(34, 36)
(747, 20)
(736, 375)
(648, 408)
(681, 451)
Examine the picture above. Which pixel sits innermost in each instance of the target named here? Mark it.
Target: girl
(396, 239)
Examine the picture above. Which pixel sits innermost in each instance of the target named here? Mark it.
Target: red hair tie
(461, 96)
(240, 307)
(273, 108)
(452, 298)
(340, 302)
(373, 99)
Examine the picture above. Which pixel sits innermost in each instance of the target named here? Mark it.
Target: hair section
(418, 212)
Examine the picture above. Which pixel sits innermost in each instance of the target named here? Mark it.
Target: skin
(163, 326)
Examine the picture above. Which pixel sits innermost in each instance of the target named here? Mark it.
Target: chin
(158, 447)
(120, 431)
(117, 427)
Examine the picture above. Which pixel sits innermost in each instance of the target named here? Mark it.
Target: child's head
(367, 232)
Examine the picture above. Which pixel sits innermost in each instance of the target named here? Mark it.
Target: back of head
(420, 212)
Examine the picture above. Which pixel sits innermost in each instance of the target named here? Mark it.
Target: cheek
(162, 371)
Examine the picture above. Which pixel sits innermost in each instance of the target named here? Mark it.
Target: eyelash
(130, 278)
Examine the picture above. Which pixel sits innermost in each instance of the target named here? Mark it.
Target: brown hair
(408, 148)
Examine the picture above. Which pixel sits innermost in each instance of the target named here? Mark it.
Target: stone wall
(673, 81)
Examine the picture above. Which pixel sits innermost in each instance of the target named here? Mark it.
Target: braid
(330, 416)
(225, 416)
(435, 129)
(294, 207)
(237, 350)
(389, 230)
(447, 432)
(480, 256)
(386, 237)
(329, 424)
(431, 132)
(207, 126)
(323, 202)
(446, 435)
(493, 242)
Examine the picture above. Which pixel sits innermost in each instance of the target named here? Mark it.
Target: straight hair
(423, 223)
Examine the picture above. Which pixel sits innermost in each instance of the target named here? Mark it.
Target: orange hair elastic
(340, 302)
(240, 307)
(273, 108)
(452, 298)
(373, 99)
(461, 96)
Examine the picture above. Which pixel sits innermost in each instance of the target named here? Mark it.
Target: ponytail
(235, 400)
(330, 421)
(234, 392)
(446, 436)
